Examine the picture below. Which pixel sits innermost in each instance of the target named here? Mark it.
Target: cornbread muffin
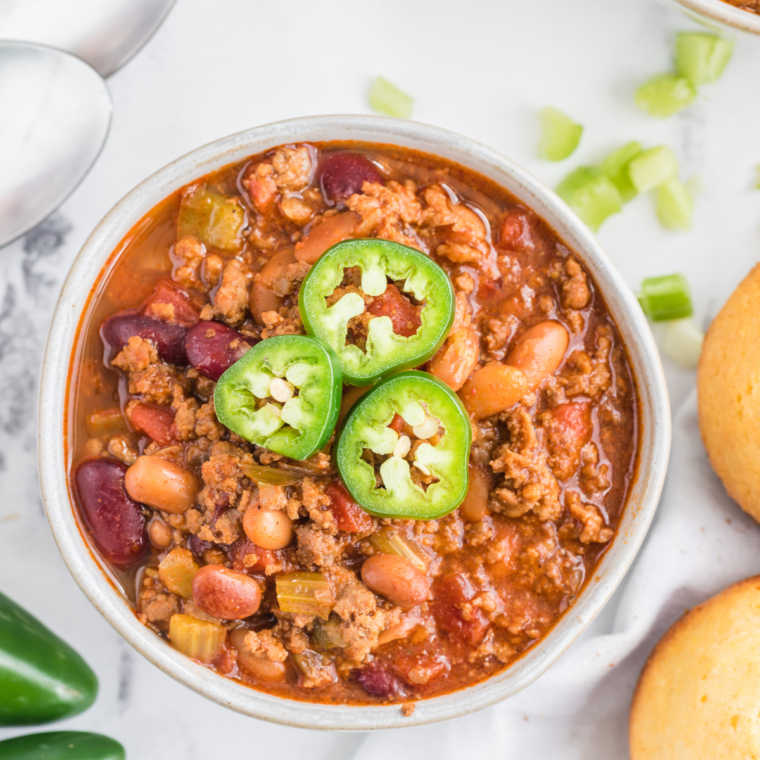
(728, 387)
(699, 694)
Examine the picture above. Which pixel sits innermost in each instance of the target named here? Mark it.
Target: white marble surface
(483, 69)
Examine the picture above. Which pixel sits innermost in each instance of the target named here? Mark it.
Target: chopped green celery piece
(591, 194)
(388, 99)
(653, 167)
(682, 342)
(389, 541)
(665, 298)
(701, 57)
(665, 95)
(615, 166)
(199, 639)
(674, 205)
(560, 136)
(213, 218)
(305, 594)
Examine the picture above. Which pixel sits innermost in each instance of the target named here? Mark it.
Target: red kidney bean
(225, 593)
(115, 521)
(169, 339)
(198, 546)
(212, 348)
(378, 681)
(343, 174)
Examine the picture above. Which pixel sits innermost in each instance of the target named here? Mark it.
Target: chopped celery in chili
(304, 593)
(388, 99)
(213, 218)
(674, 205)
(560, 135)
(701, 57)
(591, 194)
(388, 473)
(385, 350)
(665, 298)
(665, 95)
(283, 394)
(616, 166)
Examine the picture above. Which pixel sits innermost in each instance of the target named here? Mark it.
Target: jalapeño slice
(284, 395)
(420, 474)
(385, 350)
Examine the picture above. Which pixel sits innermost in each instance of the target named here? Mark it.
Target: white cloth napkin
(699, 543)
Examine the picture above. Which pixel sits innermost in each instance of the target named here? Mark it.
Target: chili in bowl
(730, 16)
(357, 412)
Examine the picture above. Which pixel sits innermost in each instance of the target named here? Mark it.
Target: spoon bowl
(106, 34)
(61, 111)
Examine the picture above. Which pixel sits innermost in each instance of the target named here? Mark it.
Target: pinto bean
(225, 594)
(268, 528)
(261, 668)
(457, 358)
(263, 298)
(325, 235)
(539, 351)
(160, 534)
(475, 505)
(397, 579)
(492, 389)
(161, 484)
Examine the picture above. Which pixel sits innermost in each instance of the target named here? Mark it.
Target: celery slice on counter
(701, 57)
(682, 342)
(388, 99)
(653, 167)
(665, 298)
(665, 95)
(560, 135)
(591, 194)
(675, 205)
(615, 166)
(757, 184)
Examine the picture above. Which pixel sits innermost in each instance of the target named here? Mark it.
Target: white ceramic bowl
(720, 16)
(645, 492)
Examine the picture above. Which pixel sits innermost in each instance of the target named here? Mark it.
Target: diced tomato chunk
(404, 316)
(155, 421)
(451, 592)
(247, 557)
(573, 422)
(349, 516)
(170, 304)
(517, 232)
(421, 667)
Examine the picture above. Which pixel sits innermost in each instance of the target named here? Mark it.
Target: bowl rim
(90, 574)
(724, 15)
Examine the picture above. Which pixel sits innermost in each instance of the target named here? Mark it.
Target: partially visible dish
(245, 548)
(751, 6)
(732, 16)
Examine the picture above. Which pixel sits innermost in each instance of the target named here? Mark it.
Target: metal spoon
(61, 113)
(105, 33)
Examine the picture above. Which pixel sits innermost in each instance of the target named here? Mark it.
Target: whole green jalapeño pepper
(42, 679)
(403, 449)
(385, 350)
(62, 745)
(283, 394)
